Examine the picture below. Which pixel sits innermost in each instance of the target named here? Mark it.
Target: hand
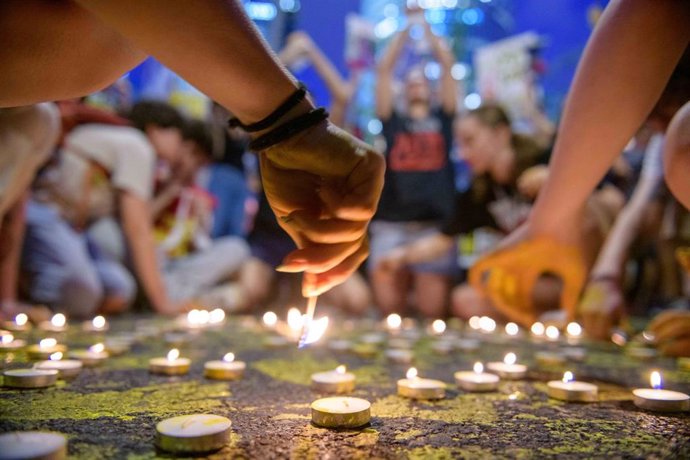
(530, 182)
(393, 260)
(508, 276)
(324, 187)
(672, 332)
(602, 307)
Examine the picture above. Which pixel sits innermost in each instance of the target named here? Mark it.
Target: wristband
(289, 129)
(291, 102)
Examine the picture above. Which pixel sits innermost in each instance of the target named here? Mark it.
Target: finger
(680, 347)
(359, 196)
(319, 258)
(664, 318)
(289, 190)
(673, 329)
(316, 284)
(326, 231)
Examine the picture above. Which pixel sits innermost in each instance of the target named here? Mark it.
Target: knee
(465, 302)
(677, 150)
(81, 295)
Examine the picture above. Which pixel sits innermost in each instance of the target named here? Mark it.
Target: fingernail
(289, 268)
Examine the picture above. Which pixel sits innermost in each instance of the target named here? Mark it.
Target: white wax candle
(226, 369)
(19, 324)
(658, 400)
(341, 412)
(400, 356)
(29, 378)
(98, 324)
(570, 390)
(508, 368)
(335, 381)
(193, 433)
(9, 343)
(170, 365)
(45, 348)
(93, 356)
(33, 445)
(58, 323)
(67, 368)
(476, 380)
(415, 387)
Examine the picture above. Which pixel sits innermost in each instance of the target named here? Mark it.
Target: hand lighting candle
(476, 380)
(658, 400)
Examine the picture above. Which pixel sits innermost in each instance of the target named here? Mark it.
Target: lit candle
(393, 322)
(477, 379)
(19, 324)
(537, 330)
(568, 389)
(67, 368)
(58, 323)
(341, 412)
(91, 357)
(487, 325)
(117, 345)
(227, 369)
(97, 324)
(658, 400)
(9, 343)
(552, 333)
(574, 332)
(550, 358)
(512, 329)
(415, 387)
(295, 322)
(270, 319)
(337, 381)
(216, 317)
(474, 323)
(193, 433)
(508, 369)
(400, 355)
(45, 348)
(33, 444)
(170, 365)
(438, 327)
(29, 378)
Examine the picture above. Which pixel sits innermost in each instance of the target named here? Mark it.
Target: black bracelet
(289, 129)
(294, 99)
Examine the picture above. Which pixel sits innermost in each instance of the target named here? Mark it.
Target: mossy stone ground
(111, 411)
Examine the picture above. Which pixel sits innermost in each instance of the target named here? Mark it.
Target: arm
(445, 58)
(136, 225)
(384, 75)
(621, 68)
(12, 233)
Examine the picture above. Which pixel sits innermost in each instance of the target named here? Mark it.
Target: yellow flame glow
(655, 380)
(98, 348)
(294, 319)
(98, 322)
(552, 332)
(58, 320)
(173, 354)
(438, 326)
(57, 356)
(394, 321)
(21, 319)
(314, 330)
(341, 369)
(512, 329)
(229, 357)
(537, 328)
(568, 377)
(573, 329)
(217, 315)
(412, 373)
(6, 339)
(270, 319)
(510, 359)
(478, 368)
(47, 343)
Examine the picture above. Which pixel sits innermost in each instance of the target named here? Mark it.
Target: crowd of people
(142, 205)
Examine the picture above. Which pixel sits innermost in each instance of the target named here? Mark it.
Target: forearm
(212, 43)
(384, 76)
(12, 233)
(621, 75)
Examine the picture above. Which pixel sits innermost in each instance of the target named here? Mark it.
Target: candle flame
(394, 321)
(57, 356)
(21, 319)
(510, 359)
(478, 368)
(341, 369)
(313, 330)
(58, 320)
(6, 339)
(98, 348)
(568, 377)
(487, 324)
(98, 322)
(47, 343)
(229, 357)
(173, 354)
(412, 373)
(537, 328)
(474, 322)
(512, 329)
(193, 316)
(204, 316)
(655, 380)
(573, 329)
(270, 319)
(294, 319)
(438, 326)
(552, 333)
(217, 315)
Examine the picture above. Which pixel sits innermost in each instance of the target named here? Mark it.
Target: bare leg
(431, 292)
(390, 290)
(56, 50)
(353, 296)
(677, 156)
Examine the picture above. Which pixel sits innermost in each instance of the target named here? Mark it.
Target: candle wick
(186, 423)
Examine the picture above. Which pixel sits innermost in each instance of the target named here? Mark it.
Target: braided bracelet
(289, 129)
(291, 102)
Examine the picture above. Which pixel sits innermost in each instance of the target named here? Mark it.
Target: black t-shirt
(419, 174)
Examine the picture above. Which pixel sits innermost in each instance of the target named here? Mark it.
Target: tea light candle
(365, 350)
(415, 387)
(29, 378)
(508, 369)
(337, 381)
(116, 346)
(67, 368)
(341, 412)
(45, 348)
(170, 365)
(270, 320)
(340, 345)
(570, 390)
(552, 333)
(58, 323)
(98, 324)
(91, 357)
(549, 358)
(399, 356)
(193, 433)
(512, 330)
(658, 400)
(42, 445)
(438, 327)
(538, 330)
(393, 322)
(476, 380)
(9, 343)
(573, 332)
(227, 369)
(20, 323)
